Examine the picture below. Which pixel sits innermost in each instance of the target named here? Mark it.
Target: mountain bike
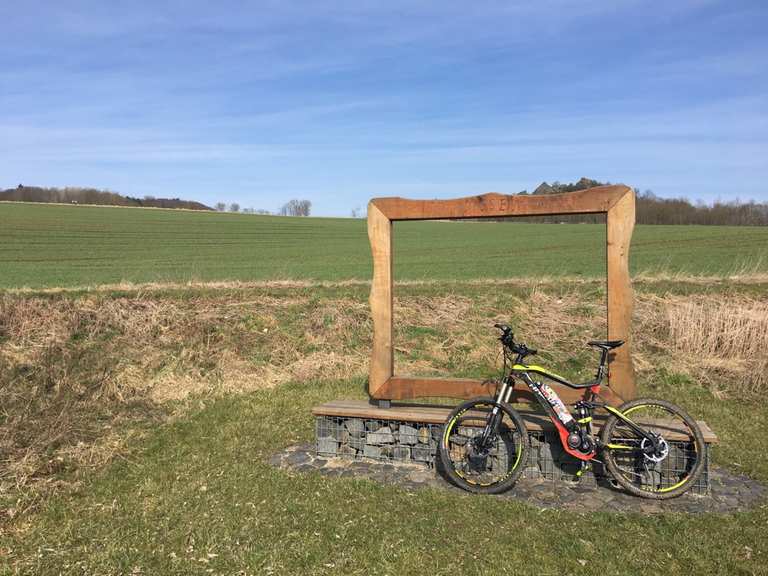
(652, 448)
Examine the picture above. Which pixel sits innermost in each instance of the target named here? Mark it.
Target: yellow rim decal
(669, 488)
(447, 434)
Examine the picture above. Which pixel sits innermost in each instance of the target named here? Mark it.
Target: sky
(339, 102)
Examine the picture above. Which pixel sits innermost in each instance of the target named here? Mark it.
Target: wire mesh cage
(407, 441)
(377, 439)
(666, 473)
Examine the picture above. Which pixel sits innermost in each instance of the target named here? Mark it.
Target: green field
(53, 245)
(136, 424)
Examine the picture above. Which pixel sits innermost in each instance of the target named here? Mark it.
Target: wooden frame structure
(617, 202)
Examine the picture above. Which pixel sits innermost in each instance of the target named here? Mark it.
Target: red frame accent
(563, 433)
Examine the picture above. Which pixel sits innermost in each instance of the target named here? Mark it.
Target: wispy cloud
(352, 99)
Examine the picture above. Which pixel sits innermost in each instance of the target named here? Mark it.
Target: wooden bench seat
(535, 420)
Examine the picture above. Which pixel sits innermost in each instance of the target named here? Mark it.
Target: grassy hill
(53, 245)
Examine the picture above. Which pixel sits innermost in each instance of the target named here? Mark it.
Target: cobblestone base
(403, 442)
(728, 492)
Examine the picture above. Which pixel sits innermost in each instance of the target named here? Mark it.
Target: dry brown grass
(75, 372)
(722, 342)
(747, 274)
(70, 368)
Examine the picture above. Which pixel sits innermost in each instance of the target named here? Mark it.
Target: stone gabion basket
(377, 439)
(401, 441)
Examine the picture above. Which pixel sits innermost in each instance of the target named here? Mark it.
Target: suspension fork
(492, 425)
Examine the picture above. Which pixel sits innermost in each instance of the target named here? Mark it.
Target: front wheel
(480, 462)
(664, 468)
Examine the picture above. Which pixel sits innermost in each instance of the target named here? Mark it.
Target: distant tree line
(650, 209)
(296, 208)
(92, 196)
(290, 208)
(654, 210)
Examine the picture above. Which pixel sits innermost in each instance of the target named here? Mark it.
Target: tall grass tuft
(728, 336)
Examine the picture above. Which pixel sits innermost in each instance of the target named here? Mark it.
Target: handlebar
(508, 340)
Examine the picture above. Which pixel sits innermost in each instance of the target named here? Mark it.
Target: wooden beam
(382, 354)
(592, 201)
(534, 419)
(620, 223)
(407, 388)
(403, 388)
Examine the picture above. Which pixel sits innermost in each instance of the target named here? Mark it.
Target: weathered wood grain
(406, 388)
(382, 354)
(620, 222)
(592, 201)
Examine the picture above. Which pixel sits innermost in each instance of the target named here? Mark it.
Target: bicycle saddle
(606, 344)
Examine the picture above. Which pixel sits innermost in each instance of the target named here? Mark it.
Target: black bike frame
(551, 402)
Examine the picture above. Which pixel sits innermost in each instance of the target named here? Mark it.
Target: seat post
(601, 368)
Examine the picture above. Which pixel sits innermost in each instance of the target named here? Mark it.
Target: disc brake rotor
(657, 455)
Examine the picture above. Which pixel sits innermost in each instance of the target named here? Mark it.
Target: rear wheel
(664, 469)
(490, 467)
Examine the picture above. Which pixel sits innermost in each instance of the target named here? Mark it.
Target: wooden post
(617, 202)
(620, 221)
(381, 300)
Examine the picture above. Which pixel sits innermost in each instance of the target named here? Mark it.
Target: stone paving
(728, 492)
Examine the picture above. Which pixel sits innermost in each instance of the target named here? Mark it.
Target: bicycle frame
(565, 423)
(630, 451)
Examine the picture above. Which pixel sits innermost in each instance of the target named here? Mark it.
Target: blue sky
(338, 102)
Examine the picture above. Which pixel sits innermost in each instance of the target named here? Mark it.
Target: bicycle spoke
(483, 464)
(659, 466)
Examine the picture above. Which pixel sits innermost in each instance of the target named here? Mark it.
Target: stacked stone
(360, 438)
(411, 441)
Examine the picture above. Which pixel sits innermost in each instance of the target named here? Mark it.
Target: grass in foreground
(53, 245)
(192, 493)
(197, 497)
(79, 369)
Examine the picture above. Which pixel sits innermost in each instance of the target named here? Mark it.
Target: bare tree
(234, 207)
(220, 206)
(296, 208)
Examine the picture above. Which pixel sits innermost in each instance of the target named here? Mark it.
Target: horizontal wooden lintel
(408, 388)
(494, 205)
